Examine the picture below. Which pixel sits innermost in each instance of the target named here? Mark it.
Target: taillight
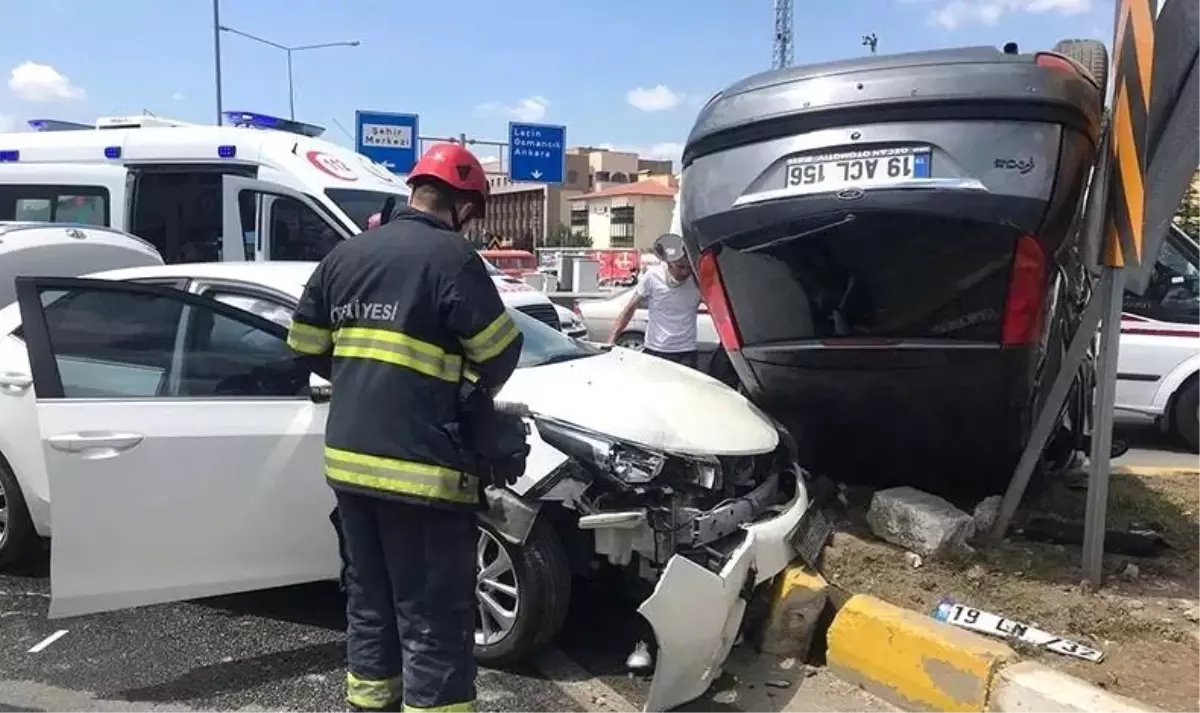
(1054, 61)
(1023, 310)
(708, 277)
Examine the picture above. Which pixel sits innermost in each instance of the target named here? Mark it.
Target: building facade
(628, 215)
(525, 215)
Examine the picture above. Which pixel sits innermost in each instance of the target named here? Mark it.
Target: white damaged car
(182, 444)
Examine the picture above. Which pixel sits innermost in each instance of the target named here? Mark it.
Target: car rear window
(883, 275)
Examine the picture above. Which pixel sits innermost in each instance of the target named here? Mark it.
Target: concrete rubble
(919, 522)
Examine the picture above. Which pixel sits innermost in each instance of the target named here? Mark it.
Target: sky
(626, 74)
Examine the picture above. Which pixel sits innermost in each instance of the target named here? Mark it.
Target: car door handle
(94, 440)
(14, 381)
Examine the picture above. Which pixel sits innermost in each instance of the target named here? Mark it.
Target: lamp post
(289, 50)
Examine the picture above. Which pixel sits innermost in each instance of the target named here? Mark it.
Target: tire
(631, 340)
(542, 578)
(1092, 54)
(18, 539)
(1184, 417)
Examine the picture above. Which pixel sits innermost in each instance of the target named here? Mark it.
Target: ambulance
(259, 188)
(197, 193)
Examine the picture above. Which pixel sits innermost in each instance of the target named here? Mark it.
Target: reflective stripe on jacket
(403, 311)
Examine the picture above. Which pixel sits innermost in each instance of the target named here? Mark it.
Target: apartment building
(525, 214)
(626, 215)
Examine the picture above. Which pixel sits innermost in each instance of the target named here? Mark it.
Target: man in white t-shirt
(669, 293)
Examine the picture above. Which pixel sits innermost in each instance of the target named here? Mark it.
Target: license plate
(995, 625)
(811, 534)
(858, 169)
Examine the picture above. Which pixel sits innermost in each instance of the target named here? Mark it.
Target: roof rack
(254, 120)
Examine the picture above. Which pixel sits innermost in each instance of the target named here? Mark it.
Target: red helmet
(455, 166)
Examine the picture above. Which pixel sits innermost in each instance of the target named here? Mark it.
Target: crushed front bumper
(696, 612)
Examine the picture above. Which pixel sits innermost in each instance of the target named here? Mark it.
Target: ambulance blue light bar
(229, 151)
(58, 125)
(10, 156)
(112, 152)
(253, 120)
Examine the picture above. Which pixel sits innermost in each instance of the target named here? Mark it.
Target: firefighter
(398, 317)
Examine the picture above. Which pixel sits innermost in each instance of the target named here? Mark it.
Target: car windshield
(546, 345)
(360, 204)
(543, 344)
(491, 269)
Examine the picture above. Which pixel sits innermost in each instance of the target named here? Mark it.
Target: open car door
(184, 453)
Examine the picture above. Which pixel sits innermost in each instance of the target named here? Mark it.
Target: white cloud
(956, 13)
(656, 98)
(178, 96)
(528, 109)
(35, 82)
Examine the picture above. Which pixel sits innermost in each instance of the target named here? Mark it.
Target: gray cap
(669, 247)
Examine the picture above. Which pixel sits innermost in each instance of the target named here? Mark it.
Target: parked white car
(572, 325)
(599, 316)
(182, 443)
(1158, 367)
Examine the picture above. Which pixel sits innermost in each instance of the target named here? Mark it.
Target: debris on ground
(1144, 619)
(919, 522)
(986, 513)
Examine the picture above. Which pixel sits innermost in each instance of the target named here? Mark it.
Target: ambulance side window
(298, 232)
(54, 204)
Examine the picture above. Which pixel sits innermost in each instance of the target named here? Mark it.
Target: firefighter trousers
(409, 574)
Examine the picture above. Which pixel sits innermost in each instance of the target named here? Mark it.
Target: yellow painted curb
(910, 658)
(1154, 470)
(797, 601)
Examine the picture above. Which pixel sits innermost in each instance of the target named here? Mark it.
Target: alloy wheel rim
(497, 593)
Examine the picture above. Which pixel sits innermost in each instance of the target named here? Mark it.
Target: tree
(1187, 217)
(562, 237)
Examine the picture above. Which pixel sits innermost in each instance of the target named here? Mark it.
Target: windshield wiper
(846, 220)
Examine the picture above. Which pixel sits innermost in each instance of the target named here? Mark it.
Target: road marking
(592, 694)
(48, 640)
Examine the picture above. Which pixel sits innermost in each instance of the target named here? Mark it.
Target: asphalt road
(1150, 447)
(282, 649)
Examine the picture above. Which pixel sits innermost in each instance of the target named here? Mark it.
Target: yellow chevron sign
(1133, 64)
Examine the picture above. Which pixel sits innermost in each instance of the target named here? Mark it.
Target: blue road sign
(391, 140)
(537, 152)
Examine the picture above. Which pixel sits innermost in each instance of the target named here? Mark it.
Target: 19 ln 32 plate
(860, 169)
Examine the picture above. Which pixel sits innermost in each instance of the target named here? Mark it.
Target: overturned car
(161, 406)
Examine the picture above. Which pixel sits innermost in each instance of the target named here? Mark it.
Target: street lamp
(289, 50)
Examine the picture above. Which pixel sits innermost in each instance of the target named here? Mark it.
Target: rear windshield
(895, 275)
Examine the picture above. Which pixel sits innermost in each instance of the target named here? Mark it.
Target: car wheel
(1185, 419)
(631, 340)
(17, 536)
(521, 594)
(1092, 54)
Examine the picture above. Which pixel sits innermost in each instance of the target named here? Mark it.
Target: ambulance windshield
(360, 204)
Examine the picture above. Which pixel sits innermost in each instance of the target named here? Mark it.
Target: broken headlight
(633, 465)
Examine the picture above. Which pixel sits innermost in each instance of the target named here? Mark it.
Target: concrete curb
(1143, 471)
(915, 662)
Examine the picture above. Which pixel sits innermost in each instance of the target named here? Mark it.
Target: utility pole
(782, 48)
(217, 56)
